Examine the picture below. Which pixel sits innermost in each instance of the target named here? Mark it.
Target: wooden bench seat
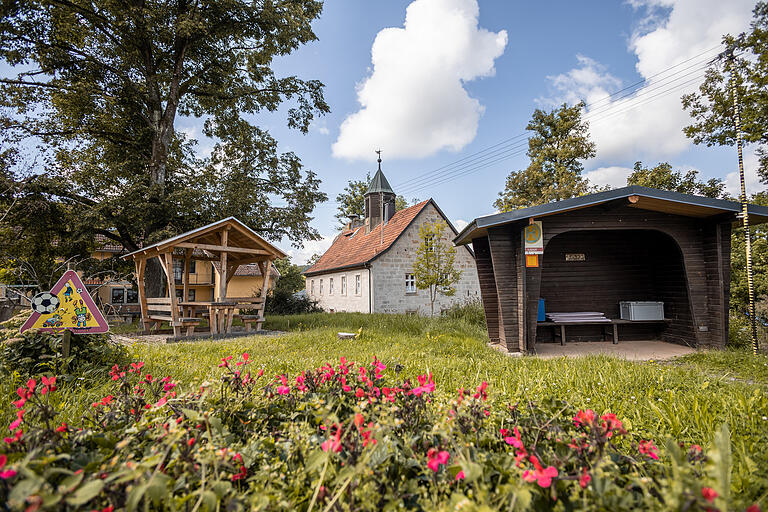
(252, 319)
(189, 322)
(613, 322)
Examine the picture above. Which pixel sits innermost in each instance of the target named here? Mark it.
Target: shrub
(470, 311)
(284, 302)
(352, 434)
(740, 332)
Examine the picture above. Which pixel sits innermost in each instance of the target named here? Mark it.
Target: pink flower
(7, 473)
(540, 475)
(238, 458)
(753, 508)
(481, 391)
(334, 443)
(49, 384)
(709, 494)
(240, 474)
(436, 458)
(584, 479)
(427, 385)
(460, 475)
(648, 449)
(512, 440)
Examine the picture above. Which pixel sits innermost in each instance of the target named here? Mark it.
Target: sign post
(67, 307)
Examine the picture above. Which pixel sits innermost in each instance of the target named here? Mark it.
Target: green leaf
(86, 493)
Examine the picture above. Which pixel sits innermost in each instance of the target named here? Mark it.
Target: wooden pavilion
(587, 255)
(229, 243)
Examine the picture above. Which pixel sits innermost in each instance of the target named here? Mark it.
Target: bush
(740, 332)
(352, 434)
(284, 302)
(470, 311)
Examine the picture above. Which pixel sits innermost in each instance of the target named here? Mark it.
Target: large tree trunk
(154, 278)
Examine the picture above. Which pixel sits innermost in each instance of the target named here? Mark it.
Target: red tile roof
(355, 247)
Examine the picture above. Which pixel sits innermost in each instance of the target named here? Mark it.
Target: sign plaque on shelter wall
(575, 256)
(534, 238)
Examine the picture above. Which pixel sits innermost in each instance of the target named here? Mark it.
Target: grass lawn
(688, 399)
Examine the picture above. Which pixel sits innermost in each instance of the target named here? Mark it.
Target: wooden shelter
(628, 244)
(227, 242)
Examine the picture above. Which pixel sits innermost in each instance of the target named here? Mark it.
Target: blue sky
(445, 86)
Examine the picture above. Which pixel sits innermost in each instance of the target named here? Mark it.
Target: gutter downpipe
(370, 289)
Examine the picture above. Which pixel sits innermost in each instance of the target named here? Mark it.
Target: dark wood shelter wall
(700, 270)
(488, 292)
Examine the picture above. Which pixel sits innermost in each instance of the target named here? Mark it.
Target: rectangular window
(357, 284)
(180, 293)
(444, 279)
(191, 295)
(343, 285)
(118, 296)
(178, 269)
(429, 241)
(321, 287)
(312, 287)
(330, 286)
(131, 296)
(410, 283)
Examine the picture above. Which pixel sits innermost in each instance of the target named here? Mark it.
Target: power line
(426, 176)
(505, 153)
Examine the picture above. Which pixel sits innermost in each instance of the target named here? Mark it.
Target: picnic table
(220, 313)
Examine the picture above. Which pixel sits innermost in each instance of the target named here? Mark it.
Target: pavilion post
(141, 264)
(167, 260)
(187, 260)
(223, 265)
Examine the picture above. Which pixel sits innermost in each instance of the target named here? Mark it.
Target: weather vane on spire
(378, 152)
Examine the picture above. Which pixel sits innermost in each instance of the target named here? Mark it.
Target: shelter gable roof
(240, 236)
(355, 247)
(647, 198)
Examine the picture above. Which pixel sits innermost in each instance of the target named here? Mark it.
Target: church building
(369, 266)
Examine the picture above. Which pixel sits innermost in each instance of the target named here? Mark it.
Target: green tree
(101, 85)
(664, 178)
(711, 108)
(434, 267)
(739, 291)
(290, 279)
(559, 144)
(352, 200)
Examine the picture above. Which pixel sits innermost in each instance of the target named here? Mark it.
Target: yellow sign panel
(534, 238)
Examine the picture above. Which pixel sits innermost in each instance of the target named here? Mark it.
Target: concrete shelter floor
(630, 350)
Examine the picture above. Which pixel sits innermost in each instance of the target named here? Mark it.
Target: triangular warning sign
(68, 306)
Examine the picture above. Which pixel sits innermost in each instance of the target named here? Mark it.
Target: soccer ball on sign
(45, 303)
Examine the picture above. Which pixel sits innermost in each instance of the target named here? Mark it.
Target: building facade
(369, 266)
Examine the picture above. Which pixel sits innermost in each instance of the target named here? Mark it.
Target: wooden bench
(252, 319)
(613, 322)
(189, 322)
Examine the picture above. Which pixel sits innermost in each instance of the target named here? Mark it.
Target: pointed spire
(379, 183)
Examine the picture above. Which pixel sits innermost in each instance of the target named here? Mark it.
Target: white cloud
(414, 102)
(320, 126)
(460, 224)
(310, 248)
(642, 126)
(614, 176)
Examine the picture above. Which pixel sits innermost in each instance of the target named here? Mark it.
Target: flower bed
(360, 435)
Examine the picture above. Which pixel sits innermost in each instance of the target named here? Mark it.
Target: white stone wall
(389, 273)
(338, 301)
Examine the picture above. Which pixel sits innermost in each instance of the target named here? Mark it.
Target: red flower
(238, 458)
(436, 458)
(709, 494)
(584, 417)
(584, 479)
(460, 475)
(512, 440)
(754, 508)
(7, 473)
(191, 441)
(240, 474)
(48, 384)
(62, 428)
(611, 425)
(481, 391)
(648, 449)
(359, 393)
(540, 475)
